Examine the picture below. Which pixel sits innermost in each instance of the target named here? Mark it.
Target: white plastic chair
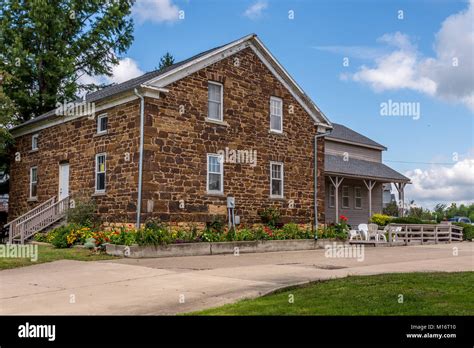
(364, 231)
(354, 234)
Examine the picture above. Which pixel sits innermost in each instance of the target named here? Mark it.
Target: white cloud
(442, 184)
(256, 10)
(126, 69)
(449, 75)
(157, 11)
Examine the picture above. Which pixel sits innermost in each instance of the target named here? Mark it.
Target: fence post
(10, 234)
(450, 232)
(421, 235)
(436, 234)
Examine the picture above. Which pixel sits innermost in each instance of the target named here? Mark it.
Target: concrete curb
(203, 248)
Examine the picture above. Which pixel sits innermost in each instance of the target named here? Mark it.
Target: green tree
(47, 45)
(391, 209)
(165, 61)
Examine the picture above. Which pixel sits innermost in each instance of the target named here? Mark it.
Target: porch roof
(357, 168)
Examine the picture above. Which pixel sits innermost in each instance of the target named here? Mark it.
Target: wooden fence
(423, 233)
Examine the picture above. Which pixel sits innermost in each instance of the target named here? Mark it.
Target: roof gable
(344, 134)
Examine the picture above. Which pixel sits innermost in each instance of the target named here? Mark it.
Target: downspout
(315, 226)
(140, 163)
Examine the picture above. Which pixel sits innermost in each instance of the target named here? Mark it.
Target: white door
(63, 180)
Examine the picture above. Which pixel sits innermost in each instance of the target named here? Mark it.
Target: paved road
(173, 285)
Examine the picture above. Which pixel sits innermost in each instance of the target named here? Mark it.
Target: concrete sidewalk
(174, 285)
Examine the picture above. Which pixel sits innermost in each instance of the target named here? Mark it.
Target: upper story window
(357, 197)
(276, 179)
(332, 196)
(33, 182)
(345, 196)
(102, 124)
(276, 115)
(215, 101)
(100, 170)
(215, 174)
(34, 142)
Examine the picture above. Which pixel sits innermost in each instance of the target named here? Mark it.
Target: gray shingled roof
(344, 133)
(359, 168)
(120, 87)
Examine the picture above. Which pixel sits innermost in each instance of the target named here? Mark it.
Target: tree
(46, 46)
(391, 209)
(165, 61)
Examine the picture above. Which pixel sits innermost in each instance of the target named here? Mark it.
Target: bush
(380, 219)
(41, 237)
(83, 214)
(58, 237)
(270, 216)
(150, 236)
(467, 231)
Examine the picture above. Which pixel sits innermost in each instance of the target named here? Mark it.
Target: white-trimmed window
(276, 179)
(100, 172)
(34, 141)
(332, 196)
(33, 182)
(102, 124)
(215, 173)
(215, 102)
(358, 197)
(276, 115)
(345, 196)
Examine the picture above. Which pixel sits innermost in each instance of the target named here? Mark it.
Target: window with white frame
(102, 123)
(33, 182)
(357, 197)
(276, 179)
(345, 196)
(100, 171)
(332, 196)
(276, 115)
(215, 101)
(215, 173)
(34, 142)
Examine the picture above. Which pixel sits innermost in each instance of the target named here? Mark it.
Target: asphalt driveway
(173, 285)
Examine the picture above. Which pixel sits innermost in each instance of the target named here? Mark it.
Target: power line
(441, 163)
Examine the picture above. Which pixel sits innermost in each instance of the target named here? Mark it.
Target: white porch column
(370, 185)
(401, 197)
(336, 182)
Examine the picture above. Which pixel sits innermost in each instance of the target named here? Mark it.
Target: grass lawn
(423, 294)
(48, 253)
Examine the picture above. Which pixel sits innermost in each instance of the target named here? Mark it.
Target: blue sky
(403, 57)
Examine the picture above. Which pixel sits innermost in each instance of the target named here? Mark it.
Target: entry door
(63, 180)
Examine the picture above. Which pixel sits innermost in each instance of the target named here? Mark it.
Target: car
(463, 219)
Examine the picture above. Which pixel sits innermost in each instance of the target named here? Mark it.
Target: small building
(355, 176)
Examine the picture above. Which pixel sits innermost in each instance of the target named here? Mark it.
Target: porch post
(336, 182)
(370, 185)
(401, 196)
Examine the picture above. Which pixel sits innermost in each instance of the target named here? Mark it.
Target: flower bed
(159, 234)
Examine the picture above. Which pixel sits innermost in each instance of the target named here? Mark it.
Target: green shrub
(41, 237)
(467, 231)
(83, 214)
(245, 234)
(123, 237)
(149, 236)
(270, 216)
(58, 237)
(380, 219)
(216, 225)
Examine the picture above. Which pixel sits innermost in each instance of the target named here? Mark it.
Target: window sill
(32, 199)
(33, 150)
(275, 132)
(215, 194)
(98, 194)
(100, 134)
(277, 198)
(220, 123)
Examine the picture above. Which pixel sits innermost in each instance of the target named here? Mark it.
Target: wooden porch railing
(37, 219)
(424, 233)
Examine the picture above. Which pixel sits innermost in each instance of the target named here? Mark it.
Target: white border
(282, 180)
(221, 162)
(96, 172)
(222, 101)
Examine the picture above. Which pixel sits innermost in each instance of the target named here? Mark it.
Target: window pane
(214, 165)
(275, 122)
(103, 124)
(276, 171)
(276, 187)
(214, 92)
(214, 182)
(34, 190)
(214, 110)
(101, 181)
(34, 174)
